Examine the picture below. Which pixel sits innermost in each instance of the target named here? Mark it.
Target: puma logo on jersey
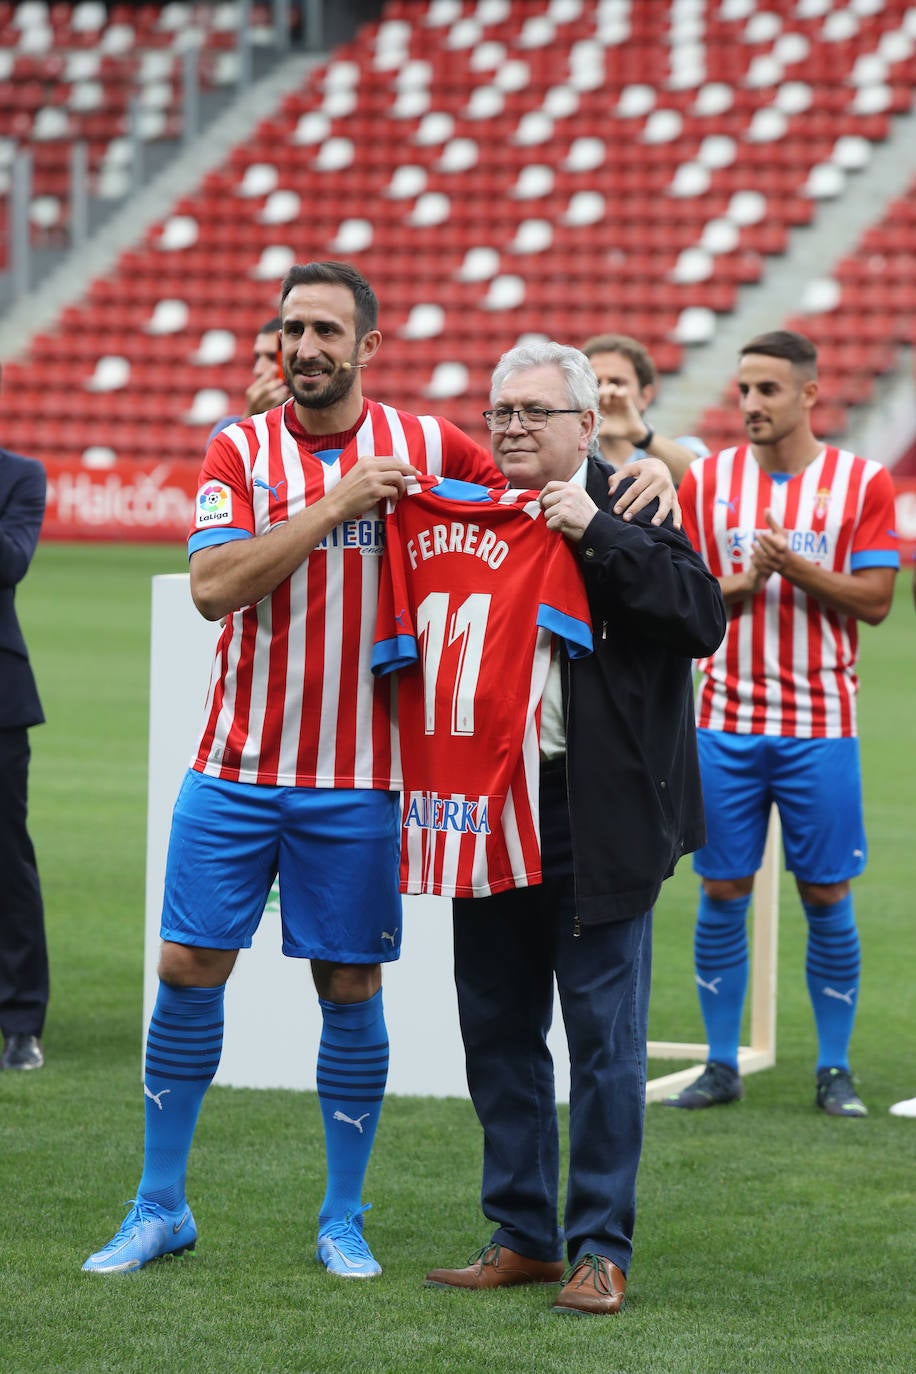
(711, 986)
(156, 1097)
(265, 486)
(358, 1123)
(387, 935)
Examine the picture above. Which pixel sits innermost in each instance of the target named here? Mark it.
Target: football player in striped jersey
(801, 535)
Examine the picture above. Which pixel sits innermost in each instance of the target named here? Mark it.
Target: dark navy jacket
(635, 799)
(22, 506)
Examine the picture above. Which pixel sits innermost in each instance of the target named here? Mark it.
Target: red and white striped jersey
(473, 587)
(292, 700)
(787, 663)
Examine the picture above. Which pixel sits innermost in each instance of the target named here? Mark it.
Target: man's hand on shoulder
(652, 481)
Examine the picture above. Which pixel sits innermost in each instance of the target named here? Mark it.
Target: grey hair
(581, 382)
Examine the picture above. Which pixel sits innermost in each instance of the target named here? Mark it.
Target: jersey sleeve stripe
(875, 558)
(207, 539)
(576, 633)
(390, 654)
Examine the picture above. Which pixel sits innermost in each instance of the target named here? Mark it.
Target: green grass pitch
(769, 1237)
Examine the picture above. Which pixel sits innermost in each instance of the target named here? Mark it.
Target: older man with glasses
(620, 803)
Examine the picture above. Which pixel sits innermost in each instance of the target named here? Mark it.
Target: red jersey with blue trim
(787, 663)
(292, 700)
(474, 585)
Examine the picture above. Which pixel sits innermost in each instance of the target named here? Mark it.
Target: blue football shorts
(336, 853)
(816, 785)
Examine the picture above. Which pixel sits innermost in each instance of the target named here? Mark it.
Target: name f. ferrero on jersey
(457, 537)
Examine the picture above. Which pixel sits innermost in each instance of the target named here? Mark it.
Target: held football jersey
(787, 663)
(292, 700)
(473, 587)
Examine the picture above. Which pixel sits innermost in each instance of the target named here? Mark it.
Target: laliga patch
(214, 505)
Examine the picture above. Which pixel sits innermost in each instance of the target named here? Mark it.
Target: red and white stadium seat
(554, 166)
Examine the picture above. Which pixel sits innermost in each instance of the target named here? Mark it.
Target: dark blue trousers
(509, 948)
(23, 950)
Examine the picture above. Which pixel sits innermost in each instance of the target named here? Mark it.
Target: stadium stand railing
(106, 77)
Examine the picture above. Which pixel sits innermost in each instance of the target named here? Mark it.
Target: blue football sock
(352, 1073)
(721, 964)
(183, 1047)
(832, 967)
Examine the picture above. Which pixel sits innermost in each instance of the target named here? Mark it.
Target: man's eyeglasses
(529, 417)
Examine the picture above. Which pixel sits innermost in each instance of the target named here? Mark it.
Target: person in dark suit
(23, 948)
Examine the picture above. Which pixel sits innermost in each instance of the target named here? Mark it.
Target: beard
(762, 433)
(313, 395)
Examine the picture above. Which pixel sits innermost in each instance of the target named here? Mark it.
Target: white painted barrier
(272, 1019)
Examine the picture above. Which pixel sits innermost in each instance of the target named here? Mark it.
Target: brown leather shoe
(493, 1266)
(593, 1287)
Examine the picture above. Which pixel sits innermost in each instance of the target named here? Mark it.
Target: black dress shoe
(22, 1052)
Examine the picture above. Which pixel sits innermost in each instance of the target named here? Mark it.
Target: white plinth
(272, 1019)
